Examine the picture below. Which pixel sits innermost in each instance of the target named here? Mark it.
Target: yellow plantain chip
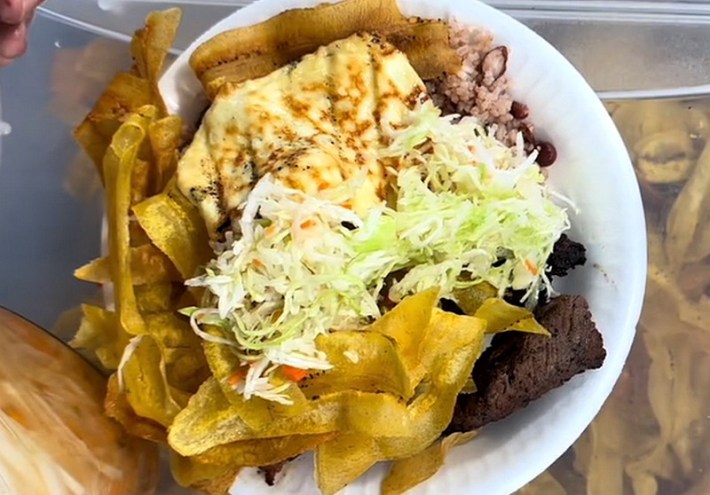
(173, 333)
(343, 460)
(143, 378)
(187, 472)
(140, 182)
(375, 415)
(155, 298)
(119, 163)
(148, 266)
(125, 95)
(100, 333)
(185, 365)
(407, 473)
(210, 419)
(501, 316)
(222, 360)
(427, 414)
(481, 301)
(263, 451)
(441, 336)
(128, 92)
(150, 46)
(117, 407)
(255, 51)
(206, 421)
(451, 366)
(432, 410)
(176, 228)
(166, 138)
(471, 298)
(406, 324)
(365, 361)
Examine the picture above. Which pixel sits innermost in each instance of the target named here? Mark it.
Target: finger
(4, 62)
(12, 11)
(13, 40)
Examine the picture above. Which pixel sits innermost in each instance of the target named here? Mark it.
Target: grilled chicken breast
(311, 124)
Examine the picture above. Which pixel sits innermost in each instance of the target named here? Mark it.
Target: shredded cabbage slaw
(466, 209)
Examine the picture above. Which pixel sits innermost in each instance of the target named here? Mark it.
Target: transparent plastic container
(652, 436)
(626, 49)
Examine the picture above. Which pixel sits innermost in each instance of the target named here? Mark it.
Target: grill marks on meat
(519, 368)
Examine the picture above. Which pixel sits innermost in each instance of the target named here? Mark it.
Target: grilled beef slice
(518, 368)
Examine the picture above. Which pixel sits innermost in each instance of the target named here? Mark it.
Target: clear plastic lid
(626, 49)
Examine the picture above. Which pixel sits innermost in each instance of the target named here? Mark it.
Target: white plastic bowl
(593, 169)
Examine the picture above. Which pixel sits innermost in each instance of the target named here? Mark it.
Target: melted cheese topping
(312, 124)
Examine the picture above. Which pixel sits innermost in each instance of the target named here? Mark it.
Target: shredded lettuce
(466, 209)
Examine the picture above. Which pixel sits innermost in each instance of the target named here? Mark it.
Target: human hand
(15, 18)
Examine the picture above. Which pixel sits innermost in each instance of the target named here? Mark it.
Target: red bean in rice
(480, 88)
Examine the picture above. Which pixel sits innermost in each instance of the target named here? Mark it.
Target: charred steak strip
(566, 255)
(519, 368)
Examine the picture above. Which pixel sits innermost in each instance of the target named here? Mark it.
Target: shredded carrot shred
(307, 224)
(237, 377)
(531, 267)
(294, 374)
